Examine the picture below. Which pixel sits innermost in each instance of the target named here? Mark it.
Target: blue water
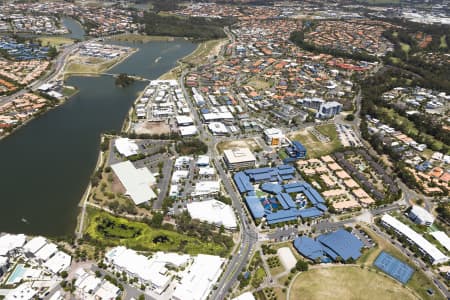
(18, 273)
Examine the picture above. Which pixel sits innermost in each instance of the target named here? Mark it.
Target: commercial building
(217, 128)
(295, 151)
(198, 280)
(421, 216)
(9, 243)
(206, 189)
(214, 212)
(239, 158)
(137, 182)
(335, 245)
(152, 271)
(424, 246)
(59, 262)
(126, 147)
(328, 110)
(245, 296)
(274, 137)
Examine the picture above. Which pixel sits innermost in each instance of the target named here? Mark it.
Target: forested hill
(193, 27)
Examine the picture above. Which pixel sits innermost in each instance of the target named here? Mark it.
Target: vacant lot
(348, 283)
(55, 41)
(249, 143)
(113, 231)
(314, 147)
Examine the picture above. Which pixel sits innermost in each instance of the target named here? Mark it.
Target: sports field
(347, 282)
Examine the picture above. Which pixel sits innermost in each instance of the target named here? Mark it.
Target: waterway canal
(45, 166)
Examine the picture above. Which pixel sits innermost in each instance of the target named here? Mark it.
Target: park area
(347, 282)
(315, 147)
(107, 230)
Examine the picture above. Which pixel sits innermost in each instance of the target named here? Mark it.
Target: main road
(248, 233)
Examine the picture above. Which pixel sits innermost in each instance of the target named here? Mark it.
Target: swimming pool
(17, 274)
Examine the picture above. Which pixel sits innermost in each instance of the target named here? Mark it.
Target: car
(430, 292)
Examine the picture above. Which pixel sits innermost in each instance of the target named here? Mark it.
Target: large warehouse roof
(431, 250)
(339, 243)
(342, 243)
(137, 182)
(213, 211)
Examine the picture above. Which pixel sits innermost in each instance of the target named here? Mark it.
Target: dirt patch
(152, 128)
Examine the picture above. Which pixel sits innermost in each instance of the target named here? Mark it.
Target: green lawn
(316, 148)
(347, 282)
(419, 282)
(443, 43)
(112, 231)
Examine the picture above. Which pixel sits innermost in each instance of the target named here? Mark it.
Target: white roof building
(287, 258)
(59, 262)
(217, 128)
(202, 160)
(107, 291)
(198, 280)
(184, 120)
(239, 158)
(188, 130)
(214, 212)
(9, 242)
(25, 291)
(178, 175)
(421, 216)
(203, 188)
(273, 136)
(126, 147)
(46, 252)
(35, 244)
(426, 247)
(442, 238)
(147, 270)
(137, 182)
(245, 296)
(206, 171)
(86, 283)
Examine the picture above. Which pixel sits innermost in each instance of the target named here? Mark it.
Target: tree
(64, 274)
(302, 266)
(350, 117)
(157, 220)
(141, 297)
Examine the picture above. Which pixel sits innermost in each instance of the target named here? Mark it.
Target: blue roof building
(341, 243)
(310, 212)
(297, 150)
(255, 206)
(308, 247)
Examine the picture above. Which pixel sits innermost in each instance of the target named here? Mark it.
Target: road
(248, 233)
(52, 75)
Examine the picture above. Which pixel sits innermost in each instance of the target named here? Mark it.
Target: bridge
(135, 77)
